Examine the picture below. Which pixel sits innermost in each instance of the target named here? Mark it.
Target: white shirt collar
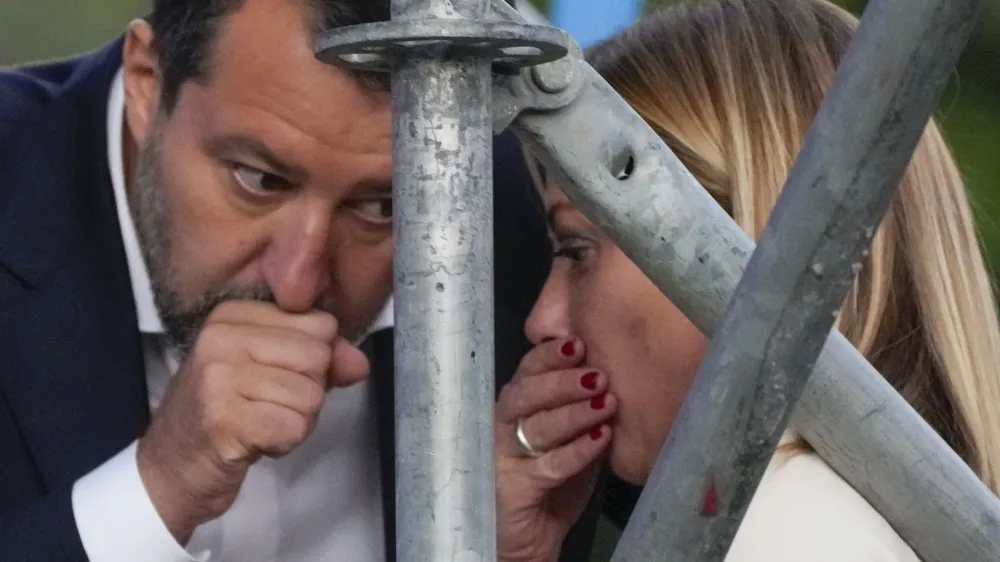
(142, 290)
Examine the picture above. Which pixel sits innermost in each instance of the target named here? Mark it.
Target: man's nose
(549, 319)
(296, 263)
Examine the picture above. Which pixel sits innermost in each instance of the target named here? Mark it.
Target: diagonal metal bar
(806, 260)
(673, 230)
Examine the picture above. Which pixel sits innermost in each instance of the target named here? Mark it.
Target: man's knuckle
(327, 326)
(216, 424)
(212, 338)
(289, 431)
(298, 429)
(216, 379)
(222, 311)
(229, 451)
(314, 396)
(319, 355)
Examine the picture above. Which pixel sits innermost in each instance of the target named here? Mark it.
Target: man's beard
(182, 320)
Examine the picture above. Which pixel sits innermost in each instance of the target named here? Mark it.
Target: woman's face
(632, 333)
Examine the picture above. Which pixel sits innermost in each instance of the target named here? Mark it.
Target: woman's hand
(544, 484)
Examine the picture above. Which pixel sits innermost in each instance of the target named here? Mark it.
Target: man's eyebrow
(252, 146)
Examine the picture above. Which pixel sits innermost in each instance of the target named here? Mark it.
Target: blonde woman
(732, 86)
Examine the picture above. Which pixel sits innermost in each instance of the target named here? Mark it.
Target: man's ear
(143, 80)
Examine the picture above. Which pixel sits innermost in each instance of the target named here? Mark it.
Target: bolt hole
(439, 287)
(623, 165)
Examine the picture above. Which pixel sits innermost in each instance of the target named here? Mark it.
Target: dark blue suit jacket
(72, 384)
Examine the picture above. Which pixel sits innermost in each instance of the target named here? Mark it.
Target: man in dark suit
(195, 245)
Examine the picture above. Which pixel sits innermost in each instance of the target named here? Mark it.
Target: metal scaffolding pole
(443, 188)
(685, 242)
(440, 54)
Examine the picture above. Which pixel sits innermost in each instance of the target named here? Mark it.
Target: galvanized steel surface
(443, 184)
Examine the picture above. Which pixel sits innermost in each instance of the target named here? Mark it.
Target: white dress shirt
(321, 502)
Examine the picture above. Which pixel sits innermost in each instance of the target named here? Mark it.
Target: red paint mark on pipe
(710, 504)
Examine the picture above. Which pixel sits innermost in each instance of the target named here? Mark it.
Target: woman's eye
(258, 182)
(376, 210)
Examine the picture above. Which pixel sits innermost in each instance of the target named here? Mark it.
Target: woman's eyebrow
(587, 228)
(553, 212)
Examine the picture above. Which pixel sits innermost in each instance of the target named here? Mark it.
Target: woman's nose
(549, 319)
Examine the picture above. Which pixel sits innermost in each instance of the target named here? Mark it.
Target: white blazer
(804, 512)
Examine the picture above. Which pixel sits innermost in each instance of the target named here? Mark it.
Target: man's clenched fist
(252, 386)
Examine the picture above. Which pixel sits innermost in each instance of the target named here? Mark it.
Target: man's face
(271, 180)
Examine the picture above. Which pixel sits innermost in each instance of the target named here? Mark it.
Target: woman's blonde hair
(732, 87)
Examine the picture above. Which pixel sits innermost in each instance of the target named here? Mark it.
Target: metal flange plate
(374, 46)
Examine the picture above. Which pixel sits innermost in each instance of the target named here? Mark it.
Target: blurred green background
(970, 111)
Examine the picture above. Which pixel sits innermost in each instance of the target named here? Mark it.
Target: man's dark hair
(186, 32)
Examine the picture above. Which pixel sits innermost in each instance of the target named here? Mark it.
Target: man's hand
(253, 386)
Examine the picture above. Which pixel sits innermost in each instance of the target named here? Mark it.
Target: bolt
(554, 77)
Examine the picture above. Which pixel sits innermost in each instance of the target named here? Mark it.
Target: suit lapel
(70, 356)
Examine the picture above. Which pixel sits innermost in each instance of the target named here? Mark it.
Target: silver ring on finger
(522, 441)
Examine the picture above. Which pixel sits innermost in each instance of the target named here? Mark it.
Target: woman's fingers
(548, 356)
(562, 463)
(564, 413)
(550, 429)
(528, 395)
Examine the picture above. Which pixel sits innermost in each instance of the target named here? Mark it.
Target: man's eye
(376, 210)
(257, 181)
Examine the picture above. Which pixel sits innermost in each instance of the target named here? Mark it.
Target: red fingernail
(568, 349)
(589, 381)
(597, 402)
(595, 433)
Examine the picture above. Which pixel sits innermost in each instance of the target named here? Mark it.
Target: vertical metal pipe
(444, 297)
